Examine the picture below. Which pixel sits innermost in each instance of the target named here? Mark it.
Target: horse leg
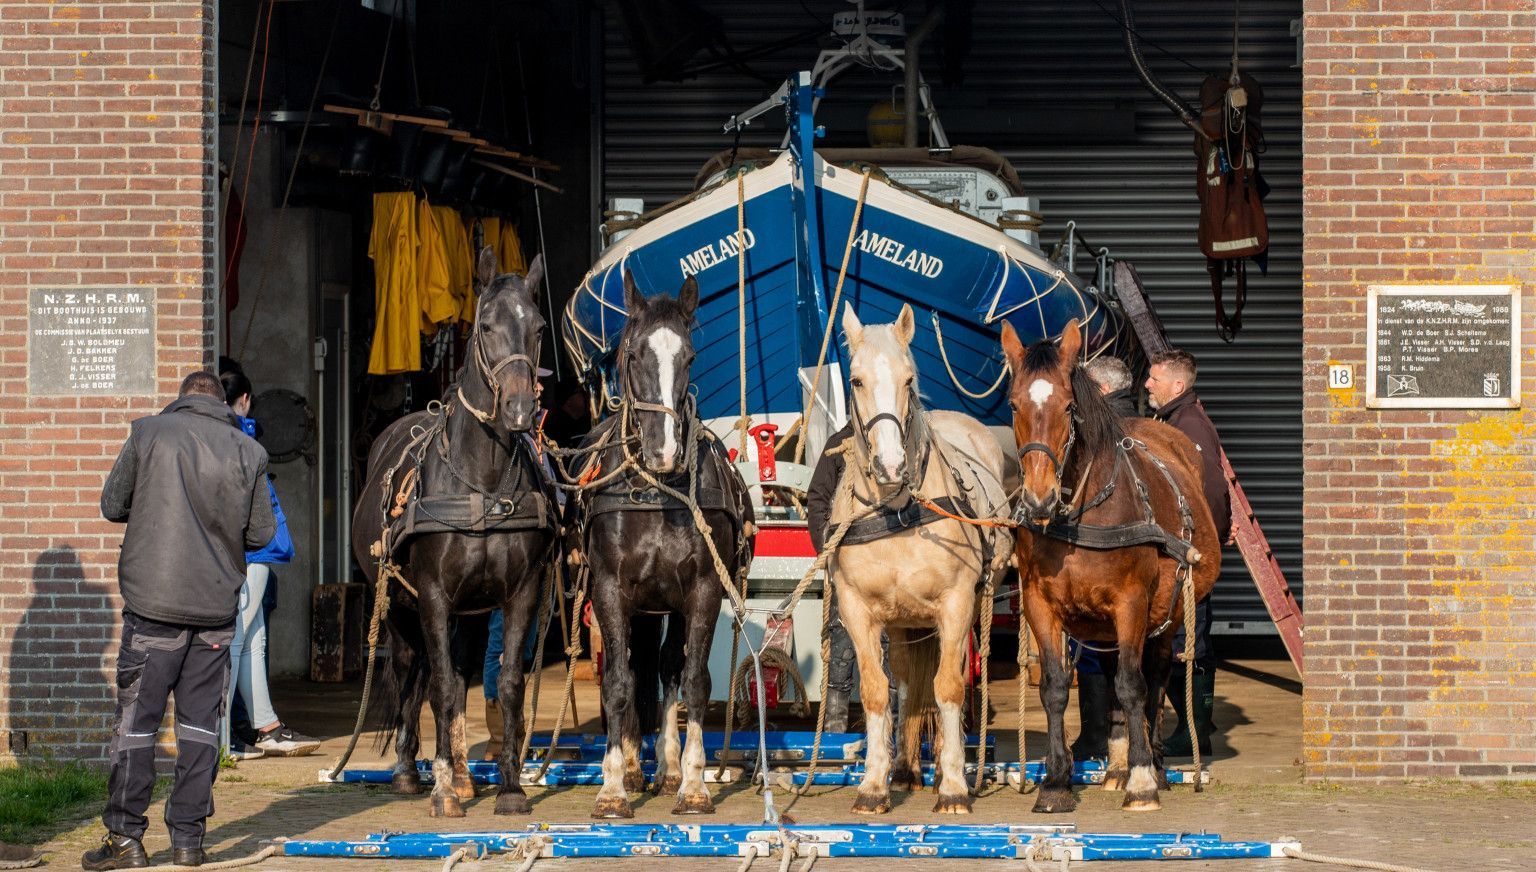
(703, 608)
(407, 662)
(510, 688)
(618, 700)
(434, 624)
(1131, 688)
(669, 763)
(875, 691)
(458, 746)
(955, 622)
(1055, 795)
(1117, 769)
(645, 641)
(906, 772)
(1157, 664)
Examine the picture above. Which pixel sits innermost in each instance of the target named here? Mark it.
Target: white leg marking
(877, 751)
(613, 773)
(442, 775)
(1142, 781)
(667, 345)
(668, 747)
(952, 760)
(1119, 748)
(1040, 391)
(693, 758)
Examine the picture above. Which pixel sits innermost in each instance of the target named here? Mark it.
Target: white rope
(1298, 854)
(938, 333)
(252, 860)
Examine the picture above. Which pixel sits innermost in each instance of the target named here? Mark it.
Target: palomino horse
(906, 569)
(647, 555)
(467, 510)
(1103, 562)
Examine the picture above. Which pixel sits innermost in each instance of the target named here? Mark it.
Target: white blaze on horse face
(886, 436)
(667, 346)
(1041, 391)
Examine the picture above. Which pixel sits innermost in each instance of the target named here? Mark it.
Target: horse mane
(1098, 428)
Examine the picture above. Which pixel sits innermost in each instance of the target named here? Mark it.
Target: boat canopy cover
(961, 155)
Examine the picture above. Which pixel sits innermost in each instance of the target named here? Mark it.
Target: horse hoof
(670, 785)
(1055, 802)
(464, 789)
(613, 807)
(1131, 804)
(446, 806)
(1116, 780)
(634, 782)
(695, 803)
(872, 804)
(513, 803)
(953, 804)
(906, 781)
(406, 783)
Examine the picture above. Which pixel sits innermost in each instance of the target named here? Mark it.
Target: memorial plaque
(91, 341)
(1443, 346)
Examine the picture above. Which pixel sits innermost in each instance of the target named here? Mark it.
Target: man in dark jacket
(1170, 391)
(843, 664)
(1114, 380)
(191, 487)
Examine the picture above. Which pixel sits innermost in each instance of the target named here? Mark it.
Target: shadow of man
(59, 690)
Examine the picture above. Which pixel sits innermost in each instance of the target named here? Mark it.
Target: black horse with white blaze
(459, 505)
(648, 556)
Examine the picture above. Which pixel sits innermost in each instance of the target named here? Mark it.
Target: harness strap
(1121, 536)
(649, 499)
(888, 521)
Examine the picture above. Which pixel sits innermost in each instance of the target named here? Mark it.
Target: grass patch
(34, 796)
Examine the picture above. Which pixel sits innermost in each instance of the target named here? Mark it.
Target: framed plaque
(90, 341)
(1442, 347)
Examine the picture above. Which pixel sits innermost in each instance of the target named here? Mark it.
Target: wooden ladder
(1259, 557)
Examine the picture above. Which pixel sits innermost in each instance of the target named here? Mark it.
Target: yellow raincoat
(434, 270)
(392, 245)
(461, 261)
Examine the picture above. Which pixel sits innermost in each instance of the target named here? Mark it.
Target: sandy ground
(1258, 794)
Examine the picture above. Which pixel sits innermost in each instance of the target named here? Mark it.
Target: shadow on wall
(59, 687)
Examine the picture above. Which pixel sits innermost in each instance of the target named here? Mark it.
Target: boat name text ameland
(715, 253)
(888, 249)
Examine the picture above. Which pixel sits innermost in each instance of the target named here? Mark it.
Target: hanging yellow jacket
(461, 262)
(433, 272)
(397, 310)
(511, 251)
(490, 234)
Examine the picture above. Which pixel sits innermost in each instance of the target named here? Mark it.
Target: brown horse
(1103, 562)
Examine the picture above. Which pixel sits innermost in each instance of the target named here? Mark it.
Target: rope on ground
(236, 863)
(572, 652)
(1308, 856)
(453, 859)
(528, 852)
(746, 861)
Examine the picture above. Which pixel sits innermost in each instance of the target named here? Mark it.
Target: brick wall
(105, 135)
(1420, 532)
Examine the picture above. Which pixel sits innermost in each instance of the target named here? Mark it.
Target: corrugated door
(1048, 85)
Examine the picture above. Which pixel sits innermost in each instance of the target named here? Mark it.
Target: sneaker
(117, 851)
(18, 857)
(239, 750)
(280, 741)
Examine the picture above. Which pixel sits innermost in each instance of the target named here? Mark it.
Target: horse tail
(919, 710)
(399, 684)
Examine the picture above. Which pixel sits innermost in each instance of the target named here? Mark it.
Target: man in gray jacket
(191, 487)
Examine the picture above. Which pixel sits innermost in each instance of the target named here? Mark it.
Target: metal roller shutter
(1030, 66)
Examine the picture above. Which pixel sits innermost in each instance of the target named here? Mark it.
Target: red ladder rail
(1257, 554)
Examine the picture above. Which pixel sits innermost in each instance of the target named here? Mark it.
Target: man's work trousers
(154, 661)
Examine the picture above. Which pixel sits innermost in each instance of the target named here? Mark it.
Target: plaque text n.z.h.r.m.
(90, 341)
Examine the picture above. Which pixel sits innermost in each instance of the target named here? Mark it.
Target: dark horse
(471, 522)
(1104, 561)
(647, 555)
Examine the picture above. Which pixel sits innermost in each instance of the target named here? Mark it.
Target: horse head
(506, 342)
(1044, 406)
(656, 355)
(886, 413)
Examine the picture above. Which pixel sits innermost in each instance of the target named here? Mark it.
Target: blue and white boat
(947, 230)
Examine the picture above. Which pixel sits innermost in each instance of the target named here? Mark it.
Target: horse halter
(629, 404)
(490, 376)
(863, 428)
(1059, 463)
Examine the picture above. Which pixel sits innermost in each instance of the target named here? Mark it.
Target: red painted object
(766, 438)
(780, 635)
(773, 541)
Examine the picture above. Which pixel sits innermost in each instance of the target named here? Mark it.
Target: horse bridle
(628, 404)
(863, 428)
(490, 376)
(1059, 463)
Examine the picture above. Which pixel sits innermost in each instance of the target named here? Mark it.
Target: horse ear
(853, 330)
(688, 297)
(485, 268)
(905, 324)
(634, 301)
(1071, 344)
(1013, 349)
(535, 276)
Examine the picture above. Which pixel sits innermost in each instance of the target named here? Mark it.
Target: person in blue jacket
(248, 653)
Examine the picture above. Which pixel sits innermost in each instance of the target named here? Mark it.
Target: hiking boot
(188, 857)
(837, 711)
(18, 857)
(1093, 709)
(280, 741)
(117, 851)
(494, 726)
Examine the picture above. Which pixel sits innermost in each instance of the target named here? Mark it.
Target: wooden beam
(491, 165)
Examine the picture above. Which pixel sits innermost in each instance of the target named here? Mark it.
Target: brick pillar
(1419, 133)
(106, 129)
